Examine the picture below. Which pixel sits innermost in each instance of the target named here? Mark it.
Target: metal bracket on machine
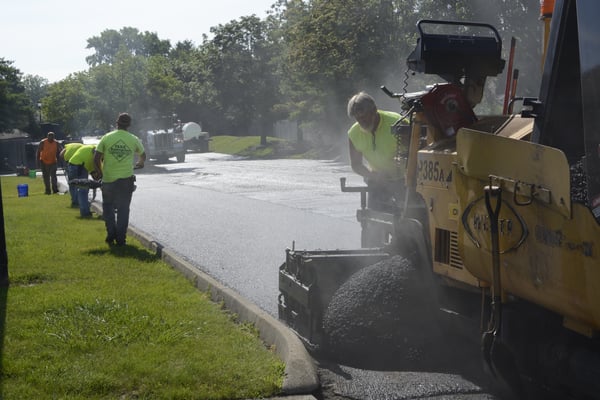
(520, 189)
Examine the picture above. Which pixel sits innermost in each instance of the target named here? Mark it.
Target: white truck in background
(195, 140)
(164, 138)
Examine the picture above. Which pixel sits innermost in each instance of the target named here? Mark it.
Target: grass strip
(81, 320)
(251, 147)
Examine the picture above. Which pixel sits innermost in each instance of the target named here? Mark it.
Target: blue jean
(116, 198)
(82, 193)
(72, 188)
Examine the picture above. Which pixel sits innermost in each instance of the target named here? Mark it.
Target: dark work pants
(116, 198)
(49, 175)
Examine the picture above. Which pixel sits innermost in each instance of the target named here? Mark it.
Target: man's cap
(50, 133)
(124, 119)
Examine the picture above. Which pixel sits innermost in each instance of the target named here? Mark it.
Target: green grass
(85, 321)
(237, 145)
(249, 146)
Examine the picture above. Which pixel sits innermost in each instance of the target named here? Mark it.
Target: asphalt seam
(301, 376)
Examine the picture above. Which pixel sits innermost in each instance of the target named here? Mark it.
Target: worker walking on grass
(46, 158)
(114, 159)
(80, 164)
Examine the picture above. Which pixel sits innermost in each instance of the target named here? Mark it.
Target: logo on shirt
(119, 150)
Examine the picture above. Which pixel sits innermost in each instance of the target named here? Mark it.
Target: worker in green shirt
(115, 155)
(66, 154)
(80, 164)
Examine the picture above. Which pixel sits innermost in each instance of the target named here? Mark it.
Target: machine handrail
(458, 23)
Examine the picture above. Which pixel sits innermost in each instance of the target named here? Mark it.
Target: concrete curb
(300, 371)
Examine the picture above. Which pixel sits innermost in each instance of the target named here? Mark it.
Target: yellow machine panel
(549, 248)
(435, 175)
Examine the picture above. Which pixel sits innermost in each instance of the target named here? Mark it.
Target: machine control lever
(361, 189)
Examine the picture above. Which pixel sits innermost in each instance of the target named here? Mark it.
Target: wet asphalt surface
(234, 219)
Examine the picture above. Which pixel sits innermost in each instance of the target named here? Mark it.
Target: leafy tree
(67, 102)
(35, 87)
(164, 91)
(182, 50)
(336, 48)
(453, 10)
(519, 19)
(302, 62)
(111, 42)
(238, 60)
(190, 67)
(132, 72)
(117, 88)
(16, 110)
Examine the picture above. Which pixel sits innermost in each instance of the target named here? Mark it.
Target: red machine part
(446, 108)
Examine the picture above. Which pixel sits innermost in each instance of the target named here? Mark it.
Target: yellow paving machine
(497, 229)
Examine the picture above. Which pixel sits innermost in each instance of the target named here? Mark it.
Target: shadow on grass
(126, 251)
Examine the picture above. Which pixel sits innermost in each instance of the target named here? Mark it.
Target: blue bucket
(23, 190)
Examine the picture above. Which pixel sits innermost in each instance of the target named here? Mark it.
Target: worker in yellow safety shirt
(374, 151)
(66, 154)
(80, 164)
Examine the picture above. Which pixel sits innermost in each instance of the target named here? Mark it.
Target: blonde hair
(359, 103)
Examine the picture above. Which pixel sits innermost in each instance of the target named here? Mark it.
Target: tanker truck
(497, 234)
(164, 139)
(195, 140)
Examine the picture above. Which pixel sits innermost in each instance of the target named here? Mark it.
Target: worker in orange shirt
(46, 159)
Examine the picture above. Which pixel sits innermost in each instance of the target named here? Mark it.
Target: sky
(48, 38)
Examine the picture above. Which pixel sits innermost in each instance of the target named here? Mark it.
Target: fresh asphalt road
(234, 219)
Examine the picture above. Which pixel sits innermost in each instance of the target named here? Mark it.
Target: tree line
(302, 62)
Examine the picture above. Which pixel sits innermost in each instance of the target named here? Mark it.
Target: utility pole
(3, 253)
(39, 106)
(3, 279)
